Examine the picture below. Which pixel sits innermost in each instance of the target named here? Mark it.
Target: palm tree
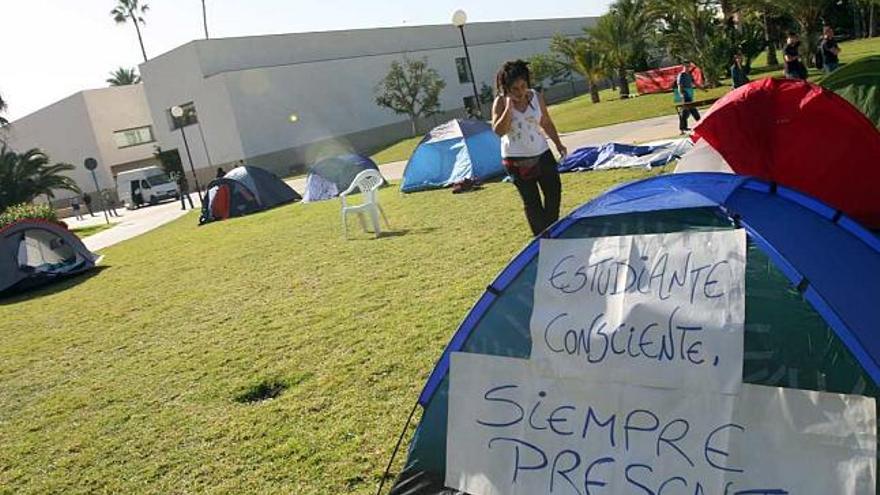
(620, 37)
(579, 56)
(205, 19)
(123, 77)
(24, 176)
(127, 10)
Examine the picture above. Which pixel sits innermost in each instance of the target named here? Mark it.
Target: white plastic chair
(368, 182)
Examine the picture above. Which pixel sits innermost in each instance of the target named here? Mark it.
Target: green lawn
(91, 229)
(580, 113)
(130, 380)
(398, 151)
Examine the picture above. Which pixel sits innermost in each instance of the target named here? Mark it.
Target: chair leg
(363, 221)
(374, 217)
(383, 216)
(345, 224)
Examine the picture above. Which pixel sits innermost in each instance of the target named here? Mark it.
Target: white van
(147, 185)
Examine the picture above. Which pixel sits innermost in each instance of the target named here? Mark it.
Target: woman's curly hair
(509, 73)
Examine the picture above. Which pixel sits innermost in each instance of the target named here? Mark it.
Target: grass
(580, 113)
(91, 229)
(262, 354)
(398, 151)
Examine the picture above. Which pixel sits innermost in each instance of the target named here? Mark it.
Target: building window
(133, 137)
(464, 75)
(189, 116)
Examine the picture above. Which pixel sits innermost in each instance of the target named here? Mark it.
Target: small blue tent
(812, 289)
(331, 176)
(452, 152)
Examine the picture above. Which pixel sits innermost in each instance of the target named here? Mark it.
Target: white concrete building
(244, 91)
(112, 125)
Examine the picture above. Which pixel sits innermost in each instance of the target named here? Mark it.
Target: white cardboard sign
(664, 310)
(513, 430)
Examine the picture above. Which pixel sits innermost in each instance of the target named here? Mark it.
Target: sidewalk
(137, 222)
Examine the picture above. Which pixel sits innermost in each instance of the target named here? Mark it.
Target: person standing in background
(830, 51)
(738, 72)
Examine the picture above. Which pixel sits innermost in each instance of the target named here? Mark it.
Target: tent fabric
(662, 80)
(34, 252)
(858, 82)
(806, 326)
(452, 152)
(618, 155)
(330, 176)
(801, 136)
(702, 158)
(242, 191)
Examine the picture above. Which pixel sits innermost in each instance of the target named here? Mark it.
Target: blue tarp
(618, 155)
(452, 152)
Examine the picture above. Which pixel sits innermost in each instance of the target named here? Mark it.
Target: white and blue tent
(450, 153)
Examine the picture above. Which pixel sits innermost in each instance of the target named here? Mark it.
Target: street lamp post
(91, 164)
(177, 113)
(459, 18)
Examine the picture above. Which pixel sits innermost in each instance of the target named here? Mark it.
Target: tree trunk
(772, 60)
(594, 92)
(140, 39)
(412, 121)
(624, 84)
(872, 22)
(205, 18)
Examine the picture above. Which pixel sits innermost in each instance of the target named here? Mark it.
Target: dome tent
(331, 176)
(858, 82)
(242, 191)
(804, 325)
(37, 252)
(801, 136)
(452, 152)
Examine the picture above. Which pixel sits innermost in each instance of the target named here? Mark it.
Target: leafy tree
(547, 67)
(411, 88)
(124, 77)
(577, 55)
(24, 176)
(691, 30)
(132, 10)
(3, 121)
(620, 36)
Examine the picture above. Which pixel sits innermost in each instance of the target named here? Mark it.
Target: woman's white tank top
(525, 139)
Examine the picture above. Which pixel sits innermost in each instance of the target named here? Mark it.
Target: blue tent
(457, 150)
(331, 176)
(811, 293)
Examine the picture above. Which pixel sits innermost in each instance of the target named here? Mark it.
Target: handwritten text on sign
(514, 431)
(663, 310)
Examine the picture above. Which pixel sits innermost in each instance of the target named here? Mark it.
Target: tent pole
(396, 448)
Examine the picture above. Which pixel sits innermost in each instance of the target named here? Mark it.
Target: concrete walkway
(137, 222)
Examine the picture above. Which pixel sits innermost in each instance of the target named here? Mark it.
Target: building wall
(82, 126)
(175, 78)
(115, 109)
(246, 89)
(63, 131)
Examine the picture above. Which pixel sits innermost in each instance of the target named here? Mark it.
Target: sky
(53, 48)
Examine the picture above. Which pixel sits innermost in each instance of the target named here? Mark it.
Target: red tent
(802, 136)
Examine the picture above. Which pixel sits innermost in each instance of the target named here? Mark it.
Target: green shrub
(26, 210)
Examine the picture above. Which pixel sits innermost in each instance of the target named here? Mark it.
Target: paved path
(134, 223)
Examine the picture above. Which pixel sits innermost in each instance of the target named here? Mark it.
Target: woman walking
(520, 117)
